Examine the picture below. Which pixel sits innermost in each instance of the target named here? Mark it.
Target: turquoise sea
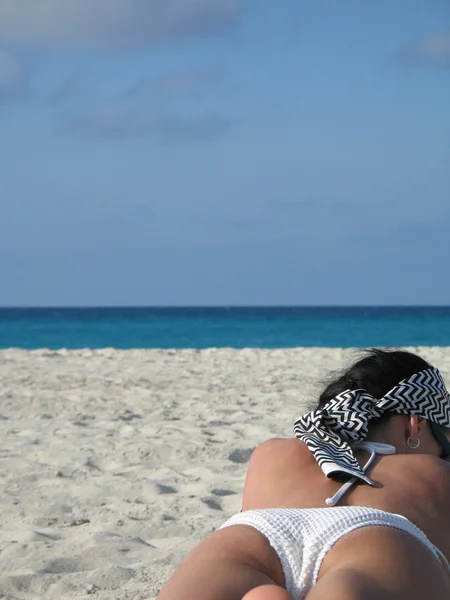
(258, 327)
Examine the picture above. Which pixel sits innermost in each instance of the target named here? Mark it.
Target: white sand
(113, 464)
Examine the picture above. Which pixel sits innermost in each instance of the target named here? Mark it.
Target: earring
(411, 446)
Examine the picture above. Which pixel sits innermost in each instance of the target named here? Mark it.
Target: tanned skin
(371, 563)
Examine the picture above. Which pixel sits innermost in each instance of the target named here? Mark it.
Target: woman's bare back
(283, 474)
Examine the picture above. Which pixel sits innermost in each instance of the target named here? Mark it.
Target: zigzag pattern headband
(330, 431)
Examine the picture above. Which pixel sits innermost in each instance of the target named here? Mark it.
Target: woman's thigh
(268, 592)
(381, 563)
(226, 565)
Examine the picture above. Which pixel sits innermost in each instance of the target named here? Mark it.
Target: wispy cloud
(187, 81)
(14, 79)
(431, 50)
(121, 123)
(150, 109)
(192, 128)
(112, 23)
(68, 89)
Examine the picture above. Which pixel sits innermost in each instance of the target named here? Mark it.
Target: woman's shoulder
(277, 451)
(420, 467)
(431, 473)
(270, 477)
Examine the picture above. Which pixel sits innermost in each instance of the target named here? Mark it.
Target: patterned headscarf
(330, 432)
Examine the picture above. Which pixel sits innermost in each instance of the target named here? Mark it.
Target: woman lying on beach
(355, 506)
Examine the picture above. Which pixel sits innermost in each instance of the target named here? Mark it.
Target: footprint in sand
(241, 455)
(221, 492)
(166, 489)
(212, 503)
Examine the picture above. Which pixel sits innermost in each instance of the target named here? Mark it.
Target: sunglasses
(442, 439)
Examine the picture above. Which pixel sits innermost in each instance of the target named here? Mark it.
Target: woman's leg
(382, 563)
(226, 565)
(268, 592)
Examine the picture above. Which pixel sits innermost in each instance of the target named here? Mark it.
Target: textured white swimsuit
(302, 537)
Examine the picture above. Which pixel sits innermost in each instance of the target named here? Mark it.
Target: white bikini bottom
(302, 537)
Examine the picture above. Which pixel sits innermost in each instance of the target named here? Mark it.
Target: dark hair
(377, 372)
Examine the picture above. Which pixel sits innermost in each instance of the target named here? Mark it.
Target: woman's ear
(416, 426)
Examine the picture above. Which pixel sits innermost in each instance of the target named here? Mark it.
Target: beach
(115, 463)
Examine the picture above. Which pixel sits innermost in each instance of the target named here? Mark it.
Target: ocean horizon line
(224, 326)
(212, 306)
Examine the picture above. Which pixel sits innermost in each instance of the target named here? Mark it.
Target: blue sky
(224, 152)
